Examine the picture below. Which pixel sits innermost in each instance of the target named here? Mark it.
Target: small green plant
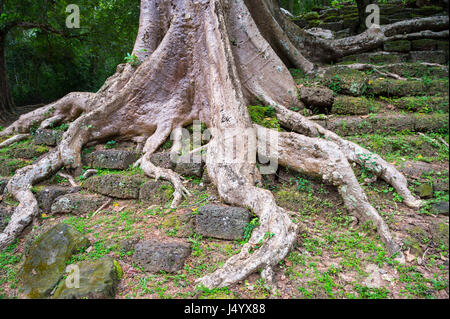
(110, 144)
(254, 223)
(132, 59)
(335, 84)
(303, 185)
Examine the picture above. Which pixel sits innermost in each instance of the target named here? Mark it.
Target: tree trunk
(362, 15)
(206, 60)
(6, 101)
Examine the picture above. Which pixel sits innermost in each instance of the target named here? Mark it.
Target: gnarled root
(20, 187)
(353, 152)
(269, 243)
(319, 157)
(65, 109)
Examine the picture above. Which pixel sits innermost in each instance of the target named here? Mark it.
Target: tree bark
(206, 60)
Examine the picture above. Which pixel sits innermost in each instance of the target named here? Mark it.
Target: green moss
(344, 104)
(310, 16)
(345, 81)
(400, 88)
(397, 46)
(423, 44)
(415, 70)
(118, 269)
(167, 191)
(264, 116)
(314, 23)
(422, 104)
(426, 11)
(413, 245)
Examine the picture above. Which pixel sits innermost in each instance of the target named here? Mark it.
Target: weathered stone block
(154, 256)
(222, 222)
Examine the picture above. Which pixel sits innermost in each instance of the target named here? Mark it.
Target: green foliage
(254, 223)
(110, 144)
(132, 59)
(45, 66)
(264, 116)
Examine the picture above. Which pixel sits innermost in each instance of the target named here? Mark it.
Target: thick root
(353, 152)
(20, 187)
(151, 170)
(322, 158)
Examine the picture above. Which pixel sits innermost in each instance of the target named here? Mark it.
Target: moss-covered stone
(433, 122)
(397, 46)
(438, 57)
(422, 104)
(439, 233)
(29, 151)
(310, 16)
(376, 57)
(426, 11)
(415, 70)
(400, 88)
(414, 246)
(349, 105)
(179, 224)
(425, 190)
(423, 44)
(379, 123)
(8, 166)
(345, 81)
(77, 204)
(156, 192)
(115, 185)
(98, 280)
(46, 262)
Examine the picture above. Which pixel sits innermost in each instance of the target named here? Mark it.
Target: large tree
(206, 60)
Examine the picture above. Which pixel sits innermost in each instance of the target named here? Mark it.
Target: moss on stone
(400, 88)
(422, 104)
(310, 16)
(423, 44)
(344, 104)
(397, 46)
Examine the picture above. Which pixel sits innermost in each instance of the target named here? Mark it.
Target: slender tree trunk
(6, 100)
(362, 15)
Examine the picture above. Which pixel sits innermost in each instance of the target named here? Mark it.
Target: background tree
(46, 60)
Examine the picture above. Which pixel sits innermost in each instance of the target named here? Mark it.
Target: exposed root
(67, 108)
(20, 187)
(353, 152)
(152, 170)
(69, 178)
(365, 67)
(322, 158)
